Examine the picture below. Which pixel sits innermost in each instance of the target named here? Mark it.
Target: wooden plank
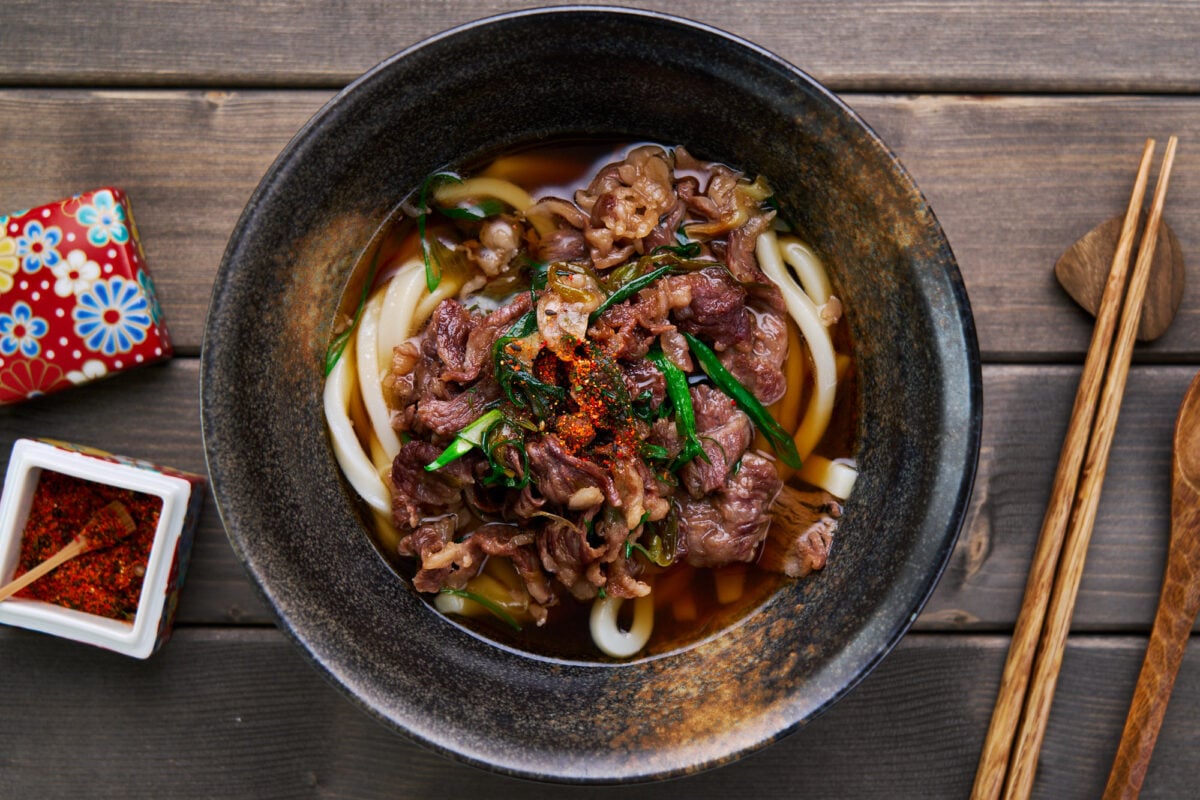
(154, 413)
(188, 160)
(888, 45)
(239, 713)
(1025, 418)
(1014, 180)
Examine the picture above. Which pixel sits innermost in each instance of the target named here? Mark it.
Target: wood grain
(879, 45)
(1014, 180)
(237, 712)
(1083, 515)
(1082, 270)
(1178, 604)
(1041, 587)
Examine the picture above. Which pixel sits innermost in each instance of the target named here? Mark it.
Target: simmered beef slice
(559, 475)
(450, 326)
(729, 526)
(417, 493)
(724, 432)
(757, 361)
(443, 561)
(448, 417)
(802, 533)
(465, 354)
(717, 312)
(566, 554)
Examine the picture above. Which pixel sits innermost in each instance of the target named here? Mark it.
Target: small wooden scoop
(106, 527)
(1083, 270)
(1178, 604)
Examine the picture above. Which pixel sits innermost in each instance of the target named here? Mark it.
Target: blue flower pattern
(37, 246)
(21, 330)
(112, 317)
(105, 220)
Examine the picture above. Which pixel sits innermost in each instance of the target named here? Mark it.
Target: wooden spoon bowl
(1178, 605)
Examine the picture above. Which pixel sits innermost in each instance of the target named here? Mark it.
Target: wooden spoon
(105, 528)
(1083, 269)
(1178, 604)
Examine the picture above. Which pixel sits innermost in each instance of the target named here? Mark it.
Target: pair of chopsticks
(1014, 737)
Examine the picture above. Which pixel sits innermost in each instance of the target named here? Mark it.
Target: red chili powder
(107, 583)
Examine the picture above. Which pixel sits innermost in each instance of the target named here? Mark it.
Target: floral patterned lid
(76, 301)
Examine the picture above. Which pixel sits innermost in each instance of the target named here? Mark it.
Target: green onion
(519, 385)
(781, 440)
(468, 438)
(433, 267)
(490, 605)
(473, 213)
(685, 415)
(338, 345)
(625, 280)
(500, 474)
(662, 537)
(687, 248)
(630, 289)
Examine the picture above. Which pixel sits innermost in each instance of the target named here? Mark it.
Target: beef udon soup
(597, 403)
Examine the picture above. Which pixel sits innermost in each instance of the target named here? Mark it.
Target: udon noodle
(620, 393)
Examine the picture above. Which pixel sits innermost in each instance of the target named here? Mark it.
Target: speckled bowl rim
(882, 632)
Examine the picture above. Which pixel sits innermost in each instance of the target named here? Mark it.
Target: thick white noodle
(370, 375)
(447, 288)
(400, 300)
(808, 318)
(808, 268)
(355, 464)
(609, 637)
(835, 477)
(509, 192)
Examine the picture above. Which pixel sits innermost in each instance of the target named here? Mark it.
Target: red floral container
(76, 302)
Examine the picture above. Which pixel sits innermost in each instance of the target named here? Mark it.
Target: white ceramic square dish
(181, 494)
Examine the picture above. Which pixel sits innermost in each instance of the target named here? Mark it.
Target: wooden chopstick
(1083, 517)
(998, 744)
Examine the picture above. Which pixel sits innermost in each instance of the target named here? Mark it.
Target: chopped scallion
(468, 438)
(780, 439)
(489, 604)
(685, 415)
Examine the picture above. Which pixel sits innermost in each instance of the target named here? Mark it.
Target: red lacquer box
(76, 302)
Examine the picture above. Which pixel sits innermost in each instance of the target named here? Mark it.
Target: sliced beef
(757, 362)
(443, 561)
(566, 554)
(449, 328)
(622, 580)
(717, 311)
(564, 244)
(558, 474)
(626, 330)
(729, 526)
(802, 532)
(724, 432)
(448, 417)
(477, 347)
(418, 494)
(643, 378)
(739, 253)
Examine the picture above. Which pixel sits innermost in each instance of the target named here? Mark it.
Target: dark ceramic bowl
(511, 81)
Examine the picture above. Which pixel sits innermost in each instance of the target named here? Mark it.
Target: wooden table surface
(1021, 121)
